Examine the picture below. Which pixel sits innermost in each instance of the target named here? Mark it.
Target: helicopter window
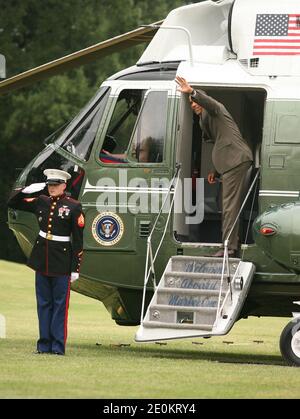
(80, 141)
(121, 126)
(288, 127)
(147, 144)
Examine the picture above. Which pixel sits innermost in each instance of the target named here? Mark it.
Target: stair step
(202, 264)
(194, 275)
(203, 259)
(182, 314)
(186, 291)
(190, 299)
(209, 310)
(193, 281)
(205, 327)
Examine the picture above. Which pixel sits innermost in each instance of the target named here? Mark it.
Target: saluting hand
(184, 87)
(34, 187)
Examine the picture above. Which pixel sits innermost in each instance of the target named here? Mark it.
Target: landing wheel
(290, 343)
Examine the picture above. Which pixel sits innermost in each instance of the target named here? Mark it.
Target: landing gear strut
(290, 343)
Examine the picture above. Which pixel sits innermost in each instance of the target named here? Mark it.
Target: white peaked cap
(56, 176)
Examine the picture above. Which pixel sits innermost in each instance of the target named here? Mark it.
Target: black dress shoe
(40, 352)
(57, 353)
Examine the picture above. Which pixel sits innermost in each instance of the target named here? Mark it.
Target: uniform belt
(49, 236)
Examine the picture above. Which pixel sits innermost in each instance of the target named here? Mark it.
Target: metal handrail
(225, 298)
(149, 253)
(225, 264)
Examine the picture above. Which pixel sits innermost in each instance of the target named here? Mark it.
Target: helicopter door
(280, 154)
(124, 191)
(201, 218)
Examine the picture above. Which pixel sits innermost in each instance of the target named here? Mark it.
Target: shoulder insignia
(80, 221)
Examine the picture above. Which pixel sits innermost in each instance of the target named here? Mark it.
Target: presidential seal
(107, 228)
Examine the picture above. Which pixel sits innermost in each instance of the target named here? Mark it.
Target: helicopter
(138, 166)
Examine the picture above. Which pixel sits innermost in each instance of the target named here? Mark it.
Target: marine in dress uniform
(231, 156)
(56, 255)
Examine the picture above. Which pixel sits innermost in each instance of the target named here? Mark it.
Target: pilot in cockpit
(144, 152)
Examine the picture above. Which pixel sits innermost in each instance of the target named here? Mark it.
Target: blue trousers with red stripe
(52, 295)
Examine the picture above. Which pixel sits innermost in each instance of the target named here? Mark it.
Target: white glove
(74, 276)
(35, 187)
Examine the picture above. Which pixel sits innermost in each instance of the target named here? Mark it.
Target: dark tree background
(34, 32)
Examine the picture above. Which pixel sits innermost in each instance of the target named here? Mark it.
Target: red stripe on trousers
(66, 312)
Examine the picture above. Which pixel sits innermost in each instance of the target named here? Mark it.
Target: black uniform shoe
(40, 353)
(57, 353)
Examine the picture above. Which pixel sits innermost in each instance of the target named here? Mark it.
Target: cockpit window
(81, 138)
(147, 145)
(137, 129)
(121, 126)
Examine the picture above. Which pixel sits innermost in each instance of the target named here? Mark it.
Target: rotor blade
(118, 43)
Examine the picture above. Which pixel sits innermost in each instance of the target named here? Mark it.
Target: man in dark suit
(56, 254)
(231, 156)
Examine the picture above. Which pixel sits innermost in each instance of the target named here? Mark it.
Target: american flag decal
(277, 34)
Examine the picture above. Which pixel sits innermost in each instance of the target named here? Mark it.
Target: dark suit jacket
(230, 149)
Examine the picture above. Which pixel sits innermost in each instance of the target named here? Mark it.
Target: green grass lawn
(97, 366)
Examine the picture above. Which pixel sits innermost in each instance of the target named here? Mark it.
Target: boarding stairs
(195, 297)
